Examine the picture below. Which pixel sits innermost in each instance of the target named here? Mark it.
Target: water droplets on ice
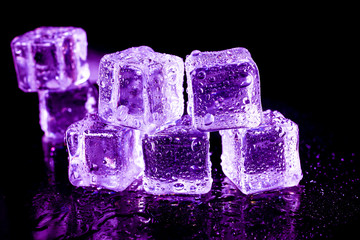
(209, 119)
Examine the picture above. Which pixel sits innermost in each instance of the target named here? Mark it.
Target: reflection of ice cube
(177, 160)
(50, 58)
(224, 89)
(60, 109)
(102, 155)
(52, 213)
(55, 159)
(262, 158)
(140, 88)
(240, 210)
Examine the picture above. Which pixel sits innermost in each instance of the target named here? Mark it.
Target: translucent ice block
(262, 158)
(102, 155)
(140, 88)
(50, 58)
(177, 160)
(223, 89)
(60, 109)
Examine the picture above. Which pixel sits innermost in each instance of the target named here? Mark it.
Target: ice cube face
(177, 161)
(140, 88)
(102, 155)
(50, 58)
(262, 158)
(60, 109)
(223, 89)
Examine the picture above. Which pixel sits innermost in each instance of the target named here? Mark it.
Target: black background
(306, 56)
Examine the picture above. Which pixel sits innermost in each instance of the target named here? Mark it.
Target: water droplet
(212, 79)
(208, 119)
(93, 179)
(201, 75)
(246, 100)
(94, 167)
(245, 81)
(194, 143)
(152, 146)
(178, 186)
(195, 52)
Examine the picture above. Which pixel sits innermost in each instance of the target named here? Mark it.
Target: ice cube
(102, 155)
(223, 89)
(140, 88)
(262, 158)
(177, 160)
(60, 109)
(50, 58)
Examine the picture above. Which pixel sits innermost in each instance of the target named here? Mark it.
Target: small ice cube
(50, 58)
(262, 158)
(177, 160)
(102, 155)
(140, 88)
(223, 89)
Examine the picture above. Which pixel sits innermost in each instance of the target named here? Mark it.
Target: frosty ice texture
(102, 155)
(223, 89)
(60, 109)
(50, 58)
(177, 160)
(140, 88)
(262, 158)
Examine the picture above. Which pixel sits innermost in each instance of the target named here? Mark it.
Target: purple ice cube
(60, 109)
(223, 89)
(177, 160)
(140, 88)
(50, 58)
(102, 155)
(262, 158)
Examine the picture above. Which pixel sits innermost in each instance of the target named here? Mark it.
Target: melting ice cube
(50, 58)
(262, 158)
(102, 155)
(177, 160)
(223, 89)
(140, 88)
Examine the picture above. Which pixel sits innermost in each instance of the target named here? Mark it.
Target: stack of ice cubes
(259, 149)
(53, 62)
(139, 128)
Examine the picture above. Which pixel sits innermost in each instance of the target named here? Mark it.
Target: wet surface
(326, 204)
